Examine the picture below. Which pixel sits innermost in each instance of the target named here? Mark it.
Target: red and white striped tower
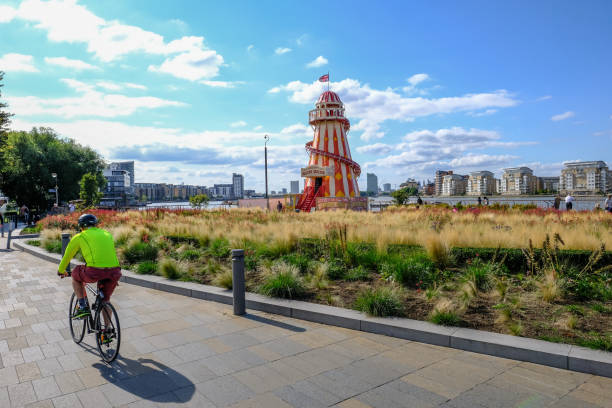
(331, 171)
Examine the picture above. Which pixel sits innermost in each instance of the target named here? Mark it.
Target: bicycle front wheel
(77, 326)
(108, 332)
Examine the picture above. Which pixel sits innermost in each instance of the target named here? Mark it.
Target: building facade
(387, 187)
(439, 180)
(480, 183)
(588, 177)
(518, 181)
(238, 182)
(295, 187)
(410, 183)
(118, 189)
(453, 184)
(126, 166)
(372, 183)
(548, 184)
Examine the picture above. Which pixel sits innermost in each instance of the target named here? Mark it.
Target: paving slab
(183, 351)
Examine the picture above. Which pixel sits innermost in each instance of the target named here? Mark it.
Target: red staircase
(308, 199)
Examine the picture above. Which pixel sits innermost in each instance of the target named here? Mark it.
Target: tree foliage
(29, 158)
(402, 195)
(198, 201)
(91, 184)
(5, 117)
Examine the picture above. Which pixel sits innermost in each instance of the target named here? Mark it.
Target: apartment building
(372, 183)
(518, 181)
(587, 177)
(453, 184)
(548, 184)
(480, 183)
(439, 179)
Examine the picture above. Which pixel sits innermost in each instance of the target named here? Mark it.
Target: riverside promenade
(184, 352)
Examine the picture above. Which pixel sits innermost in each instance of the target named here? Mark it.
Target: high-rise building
(238, 185)
(453, 184)
(295, 187)
(438, 180)
(127, 166)
(284, 190)
(518, 180)
(548, 184)
(118, 189)
(372, 186)
(387, 187)
(480, 183)
(587, 177)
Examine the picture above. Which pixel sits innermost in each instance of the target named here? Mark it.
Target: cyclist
(101, 264)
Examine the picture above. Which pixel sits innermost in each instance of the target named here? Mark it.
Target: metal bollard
(238, 285)
(8, 241)
(65, 241)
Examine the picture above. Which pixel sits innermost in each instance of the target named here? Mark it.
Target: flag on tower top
(324, 78)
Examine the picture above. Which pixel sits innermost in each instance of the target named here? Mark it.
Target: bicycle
(106, 327)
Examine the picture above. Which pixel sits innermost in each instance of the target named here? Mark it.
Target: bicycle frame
(98, 302)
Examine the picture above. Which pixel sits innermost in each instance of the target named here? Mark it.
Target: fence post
(65, 241)
(238, 285)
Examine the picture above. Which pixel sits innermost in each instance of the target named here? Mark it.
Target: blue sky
(188, 89)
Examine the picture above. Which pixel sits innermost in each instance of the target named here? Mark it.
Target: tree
(29, 158)
(91, 184)
(5, 117)
(198, 201)
(400, 196)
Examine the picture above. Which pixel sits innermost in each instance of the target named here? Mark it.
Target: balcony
(316, 115)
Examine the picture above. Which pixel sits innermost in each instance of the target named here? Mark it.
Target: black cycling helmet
(88, 220)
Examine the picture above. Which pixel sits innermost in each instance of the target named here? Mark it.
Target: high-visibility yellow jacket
(97, 247)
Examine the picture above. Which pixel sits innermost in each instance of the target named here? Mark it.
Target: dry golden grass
(549, 286)
(435, 229)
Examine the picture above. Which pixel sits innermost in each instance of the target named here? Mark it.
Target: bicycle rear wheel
(108, 332)
(77, 326)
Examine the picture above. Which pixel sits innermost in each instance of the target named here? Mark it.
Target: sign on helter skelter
(317, 171)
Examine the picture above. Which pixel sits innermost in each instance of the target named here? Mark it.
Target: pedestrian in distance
(279, 206)
(569, 202)
(24, 212)
(557, 202)
(608, 203)
(479, 201)
(2, 212)
(485, 201)
(419, 201)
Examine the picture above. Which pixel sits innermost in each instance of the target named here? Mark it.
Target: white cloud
(69, 63)
(240, 123)
(135, 86)
(317, 62)
(376, 149)
(67, 21)
(17, 63)
(89, 102)
(7, 13)
(222, 84)
(417, 79)
(282, 50)
(372, 106)
(563, 116)
(297, 130)
(487, 112)
(250, 47)
(109, 86)
(544, 98)
(610, 116)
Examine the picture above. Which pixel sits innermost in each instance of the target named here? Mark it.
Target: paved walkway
(185, 352)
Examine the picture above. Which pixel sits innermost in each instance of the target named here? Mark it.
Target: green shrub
(416, 270)
(184, 239)
(33, 242)
(596, 341)
(189, 255)
(300, 261)
(360, 254)
(480, 273)
(357, 274)
(170, 269)
(283, 284)
(575, 310)
(445, 318)
(53, 245)
(31, 230)
(381, 302)
(219, 248)
(599, 308)
(336, 270)
(138, 252)
(147, 268)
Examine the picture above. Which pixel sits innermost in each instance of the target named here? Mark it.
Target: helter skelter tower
(331, 172)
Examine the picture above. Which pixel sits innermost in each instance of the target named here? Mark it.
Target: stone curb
(495, 344)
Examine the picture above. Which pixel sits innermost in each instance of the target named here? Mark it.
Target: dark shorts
(107, 278)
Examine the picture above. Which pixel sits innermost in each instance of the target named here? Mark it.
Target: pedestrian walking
(557, 202)
(479, 201)
(608, 203)
(419, 200)
(486, 201)
(2, 212)
(71, 207)
(24, 212)
(279, 206)
(569, 200)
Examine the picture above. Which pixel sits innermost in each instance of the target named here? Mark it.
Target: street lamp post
(266, 138)
(54, 175)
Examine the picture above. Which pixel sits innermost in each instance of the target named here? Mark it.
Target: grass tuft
(170, 269)
(147, 268)
(380, 302)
